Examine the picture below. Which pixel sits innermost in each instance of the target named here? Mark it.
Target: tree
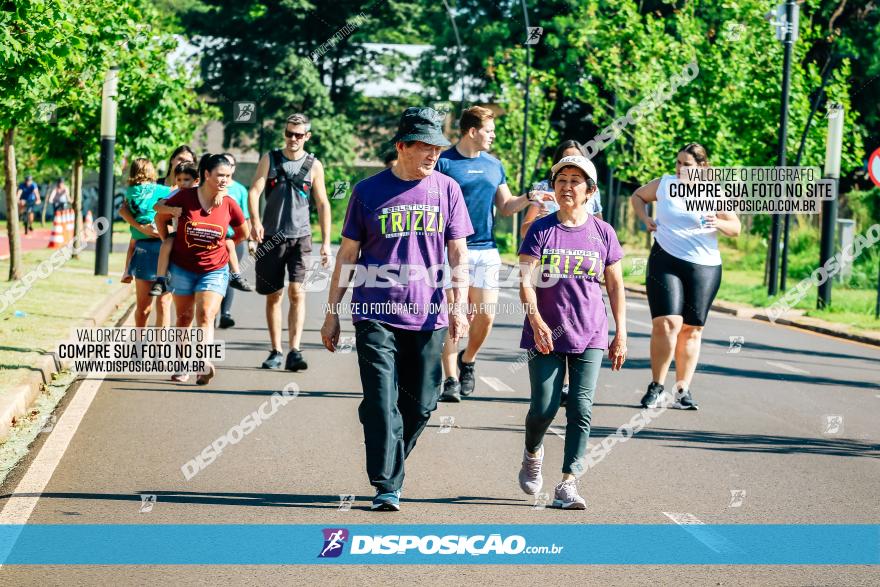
(36, 41)
(157, 104)
(316, 62)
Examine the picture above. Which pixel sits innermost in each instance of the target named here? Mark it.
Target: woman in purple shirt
(563, 259)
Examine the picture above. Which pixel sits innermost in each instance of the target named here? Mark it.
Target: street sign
(874, 167)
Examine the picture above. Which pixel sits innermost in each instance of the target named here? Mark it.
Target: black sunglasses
(290, 134)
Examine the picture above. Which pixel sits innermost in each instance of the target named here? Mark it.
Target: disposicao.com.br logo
(476, 545)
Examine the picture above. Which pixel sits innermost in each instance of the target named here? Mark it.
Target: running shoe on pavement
(386, 501)
(274, 360)
(566, 496)
(685, 401)
(451, 390)
(651, 397)
(226, 321)
(295, 361)
(466, 375)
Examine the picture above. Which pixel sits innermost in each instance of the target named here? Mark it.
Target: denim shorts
(145, 259)
(186, 283)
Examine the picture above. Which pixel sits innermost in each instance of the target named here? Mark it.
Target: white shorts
(485, 267)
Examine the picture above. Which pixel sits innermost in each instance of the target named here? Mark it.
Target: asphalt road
(767, 427)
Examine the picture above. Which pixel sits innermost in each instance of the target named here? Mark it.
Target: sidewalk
(16, 401)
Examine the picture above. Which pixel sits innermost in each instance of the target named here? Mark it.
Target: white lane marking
(707, 536)
(682, 519)
(497, 384)
(639, 323)
(18, 510)
(636, 305)
(787, 367)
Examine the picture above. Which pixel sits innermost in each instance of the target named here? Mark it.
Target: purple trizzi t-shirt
(572, 261)
(398, 224)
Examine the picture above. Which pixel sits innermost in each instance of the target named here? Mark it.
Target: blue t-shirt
(239, 193)
(28, 192)
(479, 178)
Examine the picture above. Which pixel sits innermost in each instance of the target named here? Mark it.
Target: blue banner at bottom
(614, 544)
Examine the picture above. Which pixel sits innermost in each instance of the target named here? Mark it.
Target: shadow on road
(754, 346)
(329, 502)
(756, 443)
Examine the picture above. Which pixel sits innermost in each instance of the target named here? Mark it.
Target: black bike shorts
(680, 288)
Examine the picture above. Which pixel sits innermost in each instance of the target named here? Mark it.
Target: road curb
(17, 401)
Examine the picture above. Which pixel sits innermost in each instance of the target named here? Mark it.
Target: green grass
(51, 308)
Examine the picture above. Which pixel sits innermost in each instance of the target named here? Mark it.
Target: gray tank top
(287, 205)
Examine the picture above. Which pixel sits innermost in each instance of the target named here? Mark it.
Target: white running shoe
(530, 480)
(566, 496)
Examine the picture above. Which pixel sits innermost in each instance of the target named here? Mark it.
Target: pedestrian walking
(290, 177)
(138, 210)
(403, 217)
(683, 277)
(484, 187)
(198, 272)
(563, 259)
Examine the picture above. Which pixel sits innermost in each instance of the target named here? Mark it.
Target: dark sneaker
(240, 283)
(274, 361)
(530, 479)
(651, 397)
(566, 496)
(466, 375)
(451, 391)
(205, 378)
(226, 322)
(295, 361)
(386, 502)
(159, 288)
(563, 399)
(685, 401)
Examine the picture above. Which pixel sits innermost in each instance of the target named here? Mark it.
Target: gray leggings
(546, 373)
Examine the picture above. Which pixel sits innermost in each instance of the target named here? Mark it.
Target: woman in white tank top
(684, 273)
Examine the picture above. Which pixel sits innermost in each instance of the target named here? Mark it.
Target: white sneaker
(530, 480)
(566, 496)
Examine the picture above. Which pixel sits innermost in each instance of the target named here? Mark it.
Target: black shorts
(680, 288)
(276, 254)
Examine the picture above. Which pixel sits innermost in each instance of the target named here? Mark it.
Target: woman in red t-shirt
(198, 273)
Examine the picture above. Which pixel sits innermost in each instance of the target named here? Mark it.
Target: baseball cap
(578, 161)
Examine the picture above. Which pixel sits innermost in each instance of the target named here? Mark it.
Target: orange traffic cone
(89, 227)
(56, 240)
(69, 225)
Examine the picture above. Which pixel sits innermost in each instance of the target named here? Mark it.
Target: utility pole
(787, 32)
(833, 146)
(105, 175)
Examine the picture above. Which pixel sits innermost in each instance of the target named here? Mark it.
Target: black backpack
(281, 175)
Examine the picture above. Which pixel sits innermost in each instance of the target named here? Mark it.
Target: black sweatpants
(401, 375)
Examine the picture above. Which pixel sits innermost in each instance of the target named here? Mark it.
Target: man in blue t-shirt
(239, 193)
(484, 186)
(28, 197)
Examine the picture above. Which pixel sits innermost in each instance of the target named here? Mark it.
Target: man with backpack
(289, 176)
